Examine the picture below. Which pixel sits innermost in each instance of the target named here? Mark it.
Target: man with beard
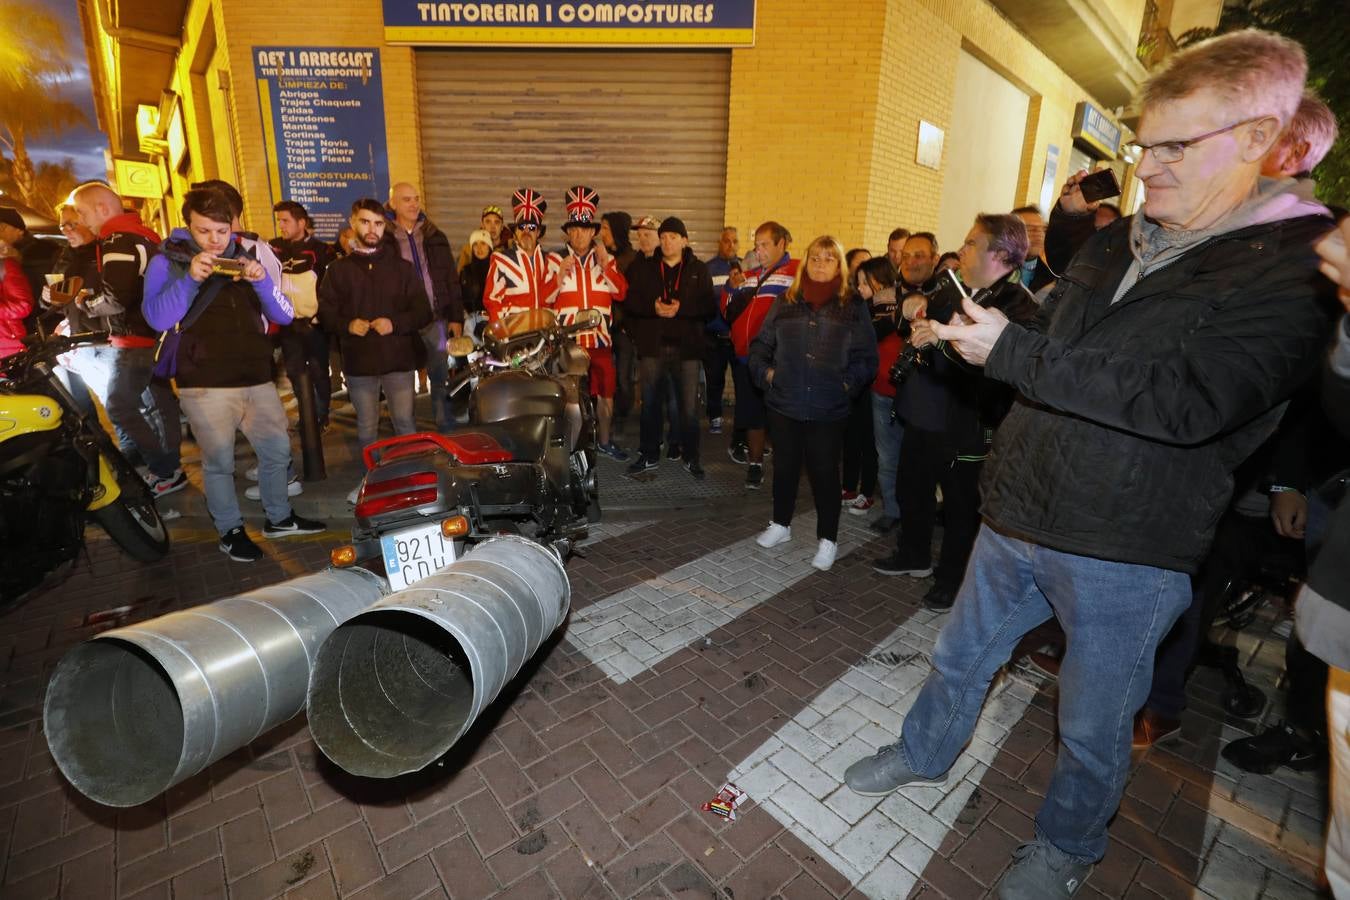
(523, 276)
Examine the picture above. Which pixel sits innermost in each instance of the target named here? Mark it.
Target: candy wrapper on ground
(726, 801)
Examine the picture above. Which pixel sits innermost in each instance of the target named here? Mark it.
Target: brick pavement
(584, 779)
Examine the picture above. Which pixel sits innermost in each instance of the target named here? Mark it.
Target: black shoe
(238, 546)
(754, 476)
(672, 450)
(693, 468)
(1282, 745)
(939, 598)
(642, 464)
(884, 524)
(291, 526)
(739, 453)
(896, 565)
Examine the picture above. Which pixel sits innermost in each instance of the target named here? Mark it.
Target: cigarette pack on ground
(726, 801)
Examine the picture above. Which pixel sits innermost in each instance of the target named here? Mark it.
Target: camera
(223, 265)
(944, 300)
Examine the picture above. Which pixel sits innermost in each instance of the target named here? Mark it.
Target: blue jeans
(215, 414)
(886, 431)
(364, 392)
(157, 436)
(438, 371)
(1113, 616)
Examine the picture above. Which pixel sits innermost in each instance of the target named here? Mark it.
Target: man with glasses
(1162, 358)
(522, 276)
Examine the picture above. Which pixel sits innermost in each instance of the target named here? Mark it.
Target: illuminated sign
(601, 23)
(138, 179)
(1093, 127)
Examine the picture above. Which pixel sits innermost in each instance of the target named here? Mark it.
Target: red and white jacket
(587, 285)
(517, 281)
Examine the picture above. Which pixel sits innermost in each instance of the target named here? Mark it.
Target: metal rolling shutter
(647, 130)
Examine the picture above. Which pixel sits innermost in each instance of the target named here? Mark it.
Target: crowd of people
(1086, 394)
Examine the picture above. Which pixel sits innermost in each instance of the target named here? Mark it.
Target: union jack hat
(529, 206)
(582, 205)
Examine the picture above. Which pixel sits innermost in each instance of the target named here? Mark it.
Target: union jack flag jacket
(517, 281)
(587, 285)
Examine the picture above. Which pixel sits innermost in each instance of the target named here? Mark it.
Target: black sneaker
(754, 476)
(895, 565)
(673, 450)
(693, 468)
(883, 524)
(939, 598)
(739, 453)
(238, 546)
(1282, 745)
(291, 526)
(642, 464)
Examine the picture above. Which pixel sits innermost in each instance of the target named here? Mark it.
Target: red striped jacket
(517, 281)
(589, 286)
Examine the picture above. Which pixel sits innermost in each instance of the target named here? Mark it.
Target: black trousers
(817, 445)
(719, 357)
(860, 448)
(929, 459)
(306, 347)
(659, 374)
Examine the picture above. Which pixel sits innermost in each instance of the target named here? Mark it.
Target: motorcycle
(59, 469)
(525, 463)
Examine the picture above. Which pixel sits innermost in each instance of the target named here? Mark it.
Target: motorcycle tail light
(394, 494)
(454, 526)
(342, 557)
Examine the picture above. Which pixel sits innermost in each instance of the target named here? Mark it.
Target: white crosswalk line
(881, 844)
(629, 632)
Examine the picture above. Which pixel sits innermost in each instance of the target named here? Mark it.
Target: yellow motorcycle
(58, 469)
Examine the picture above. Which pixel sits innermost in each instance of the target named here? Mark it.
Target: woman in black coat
(815, 352)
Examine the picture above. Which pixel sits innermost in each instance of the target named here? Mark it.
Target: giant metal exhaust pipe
(135, 710)
(398, 685)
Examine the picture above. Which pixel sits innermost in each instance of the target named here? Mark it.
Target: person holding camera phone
(950, 411)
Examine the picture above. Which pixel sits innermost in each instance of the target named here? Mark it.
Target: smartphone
(1099, 186)
(945, 300)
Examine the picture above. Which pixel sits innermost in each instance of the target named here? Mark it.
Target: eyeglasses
(1173, 151)
(527, 226)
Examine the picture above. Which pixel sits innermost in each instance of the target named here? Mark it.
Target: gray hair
(1007, 236)
(1314, 125)
(1252, 70)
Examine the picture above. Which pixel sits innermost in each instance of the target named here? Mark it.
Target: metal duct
(398, 685)
(135, 710)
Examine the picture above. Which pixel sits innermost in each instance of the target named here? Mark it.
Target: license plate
(414, 553)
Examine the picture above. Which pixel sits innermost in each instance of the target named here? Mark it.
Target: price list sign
(323, 125)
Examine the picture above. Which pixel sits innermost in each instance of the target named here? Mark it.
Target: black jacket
(81, 261)
(472, 284)
(372, 286)
(309, 255)
(37, 258)
(949, 396)
(822, 358)
(648, 281)
(440, 261)
(1133, 415)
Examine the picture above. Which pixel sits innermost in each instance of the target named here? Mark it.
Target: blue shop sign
(1094, 128)
(597, 23)
(323, 126)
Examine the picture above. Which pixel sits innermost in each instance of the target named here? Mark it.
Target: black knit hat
(10, 216)
(673, 224)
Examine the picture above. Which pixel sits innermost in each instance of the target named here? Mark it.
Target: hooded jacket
(427, 248)
(227, 346)
(651, 279)
(1158, 363)
(16, 302)
(380, 284)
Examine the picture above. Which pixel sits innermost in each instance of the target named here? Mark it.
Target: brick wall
(844, 87)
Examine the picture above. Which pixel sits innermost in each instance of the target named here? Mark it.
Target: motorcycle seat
(525, 439)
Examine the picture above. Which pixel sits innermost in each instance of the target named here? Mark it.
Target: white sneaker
(774, 535)
(351, 498)
(251, 473)
(825, 555)
(293, 488)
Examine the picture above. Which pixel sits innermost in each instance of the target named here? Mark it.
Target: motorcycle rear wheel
(136, 527)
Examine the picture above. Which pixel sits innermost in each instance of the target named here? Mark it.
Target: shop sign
(323, 126)
(597, 23)
(138, 179)
(1093, 127)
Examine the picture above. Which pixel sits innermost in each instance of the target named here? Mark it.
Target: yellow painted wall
(826, 110)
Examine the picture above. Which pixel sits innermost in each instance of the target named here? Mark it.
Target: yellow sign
(138, 179)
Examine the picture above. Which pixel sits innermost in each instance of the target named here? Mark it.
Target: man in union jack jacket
(524, 276)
